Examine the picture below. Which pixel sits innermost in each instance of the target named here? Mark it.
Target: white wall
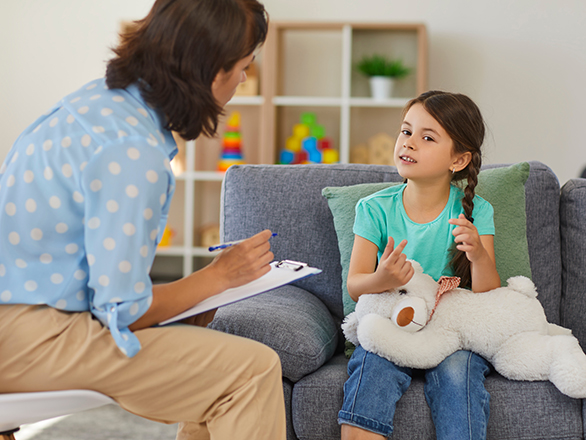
(49, 48)
(522, 61)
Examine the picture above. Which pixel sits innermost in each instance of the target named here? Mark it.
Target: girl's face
(225, 83)
(424, 150)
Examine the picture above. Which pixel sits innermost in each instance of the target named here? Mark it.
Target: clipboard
(281, 273)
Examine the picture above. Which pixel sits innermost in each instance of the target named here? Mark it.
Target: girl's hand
(479, 251)
(393, 268)
(244, 262)
(366, 276)
(467, 238)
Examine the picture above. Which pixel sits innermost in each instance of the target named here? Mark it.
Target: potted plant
(382, 72)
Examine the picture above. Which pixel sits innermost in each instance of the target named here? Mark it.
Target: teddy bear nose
(410, 314)
(405, 316)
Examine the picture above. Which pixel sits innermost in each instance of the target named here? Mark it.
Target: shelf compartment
(302, 66)
(395, 42)
(208, 150)
(367, 122)
(288, 116)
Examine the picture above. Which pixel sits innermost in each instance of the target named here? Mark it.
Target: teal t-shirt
(382, 214)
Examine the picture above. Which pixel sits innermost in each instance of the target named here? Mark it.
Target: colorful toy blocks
(231, 144)
(308, 143)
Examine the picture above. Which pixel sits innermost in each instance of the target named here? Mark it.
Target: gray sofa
(302, 321)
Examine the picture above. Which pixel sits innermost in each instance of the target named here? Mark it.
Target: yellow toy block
(293, 144)
(301, 131)
(330, 156)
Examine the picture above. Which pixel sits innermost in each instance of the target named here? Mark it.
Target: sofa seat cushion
(503, 187)
(518, 410)
(290, 320)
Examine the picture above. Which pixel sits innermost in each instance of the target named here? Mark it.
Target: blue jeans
(454, 391)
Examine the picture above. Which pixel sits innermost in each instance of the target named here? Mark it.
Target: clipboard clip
(291, 265)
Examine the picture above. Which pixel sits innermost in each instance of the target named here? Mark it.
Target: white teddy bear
(411, 327)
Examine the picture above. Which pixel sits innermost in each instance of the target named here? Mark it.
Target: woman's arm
(365, 276)
(233, 267)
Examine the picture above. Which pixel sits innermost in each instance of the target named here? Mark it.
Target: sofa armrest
(290, 320)
(573, 240)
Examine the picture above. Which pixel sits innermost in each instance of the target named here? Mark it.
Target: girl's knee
(460, 367)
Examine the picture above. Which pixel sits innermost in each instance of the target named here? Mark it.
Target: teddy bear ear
(416, 266)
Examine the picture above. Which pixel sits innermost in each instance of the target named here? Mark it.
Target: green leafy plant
(379, 65)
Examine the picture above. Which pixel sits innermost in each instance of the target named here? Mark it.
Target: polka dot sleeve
(127, 187)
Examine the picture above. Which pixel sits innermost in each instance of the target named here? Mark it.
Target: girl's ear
(461, 161)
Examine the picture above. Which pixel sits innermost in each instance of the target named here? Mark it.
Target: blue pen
(218, 247)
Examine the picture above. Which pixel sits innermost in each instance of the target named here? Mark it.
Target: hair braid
(460, 262)
(470, 190)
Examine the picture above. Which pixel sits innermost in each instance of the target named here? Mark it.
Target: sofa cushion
(518, 409)
(503, 187)
(290, 320)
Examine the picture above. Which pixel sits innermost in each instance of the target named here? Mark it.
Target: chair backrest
(17, 409)
(288, 200)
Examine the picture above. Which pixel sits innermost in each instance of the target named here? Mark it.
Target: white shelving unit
(296, 78)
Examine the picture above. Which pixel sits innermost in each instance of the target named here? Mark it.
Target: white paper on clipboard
(281, 273)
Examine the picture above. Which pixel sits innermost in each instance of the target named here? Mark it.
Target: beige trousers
(222, 387)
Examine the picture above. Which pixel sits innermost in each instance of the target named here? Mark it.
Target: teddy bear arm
(349, 327)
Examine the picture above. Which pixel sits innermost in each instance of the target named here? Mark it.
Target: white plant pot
(381, 87)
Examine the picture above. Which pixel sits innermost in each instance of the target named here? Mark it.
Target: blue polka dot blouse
(84, 198)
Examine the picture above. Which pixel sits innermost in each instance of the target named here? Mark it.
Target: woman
(85, 193)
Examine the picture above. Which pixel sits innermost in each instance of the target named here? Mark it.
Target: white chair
(17, 409)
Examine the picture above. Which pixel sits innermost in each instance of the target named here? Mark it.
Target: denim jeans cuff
(365, 423)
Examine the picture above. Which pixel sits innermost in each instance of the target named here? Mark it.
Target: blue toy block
(231, 156)
(287, 157)
(315, 156)
(310, 144)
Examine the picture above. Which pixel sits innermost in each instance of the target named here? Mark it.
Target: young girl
(449, 231)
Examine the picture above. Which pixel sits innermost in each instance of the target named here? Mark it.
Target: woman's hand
(244, 262)
(233, 267)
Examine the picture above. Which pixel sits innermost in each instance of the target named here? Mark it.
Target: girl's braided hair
(462, 120)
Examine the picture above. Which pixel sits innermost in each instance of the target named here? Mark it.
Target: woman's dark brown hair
(177, 50)
(462, 120)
